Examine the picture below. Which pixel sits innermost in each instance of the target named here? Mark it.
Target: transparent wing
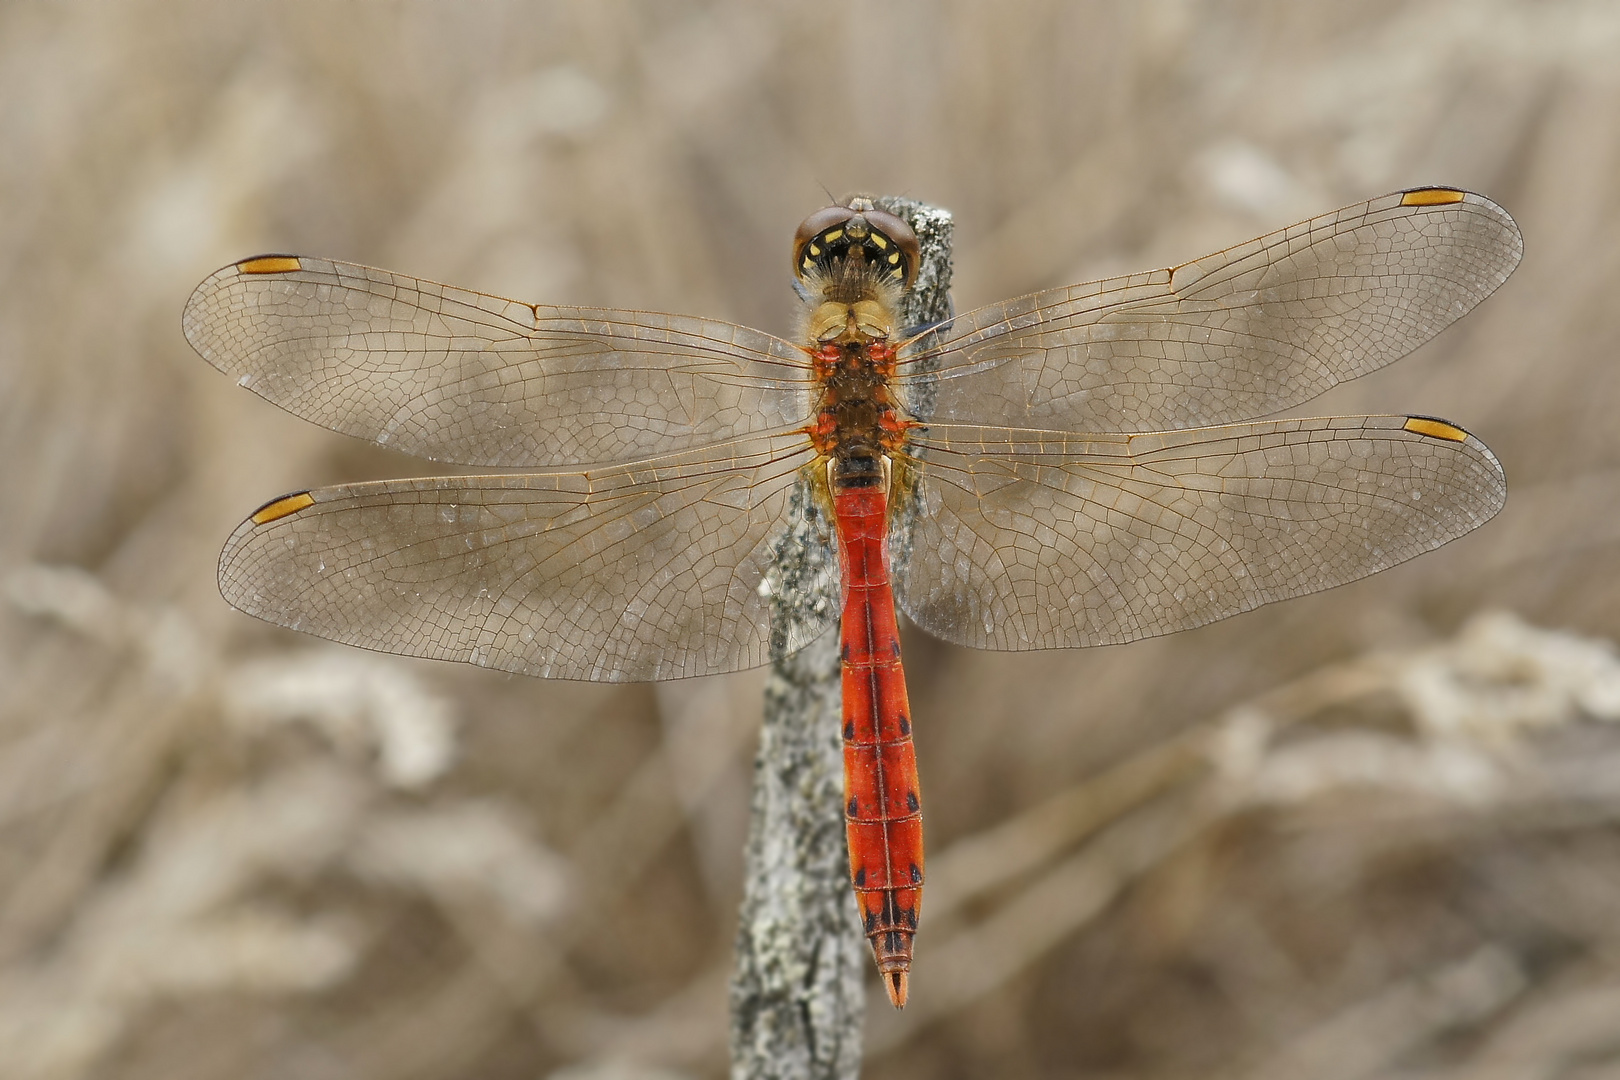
(1236, 335)
(1039, 540)
(458, 376)
(646, 570)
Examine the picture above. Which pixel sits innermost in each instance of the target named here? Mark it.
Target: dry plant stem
(796, 995)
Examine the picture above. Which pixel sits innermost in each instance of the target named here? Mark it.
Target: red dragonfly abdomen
(883, 812)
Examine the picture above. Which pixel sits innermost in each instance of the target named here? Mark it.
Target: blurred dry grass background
(1370, 833)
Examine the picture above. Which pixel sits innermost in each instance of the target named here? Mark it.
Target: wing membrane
(458, 376)
(1039, 540)
(647, 570)
(1239, 334)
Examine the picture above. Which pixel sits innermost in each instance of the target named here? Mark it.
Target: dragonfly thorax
(856, 416)
(854, 264)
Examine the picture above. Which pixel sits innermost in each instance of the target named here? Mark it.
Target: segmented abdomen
(882, 809)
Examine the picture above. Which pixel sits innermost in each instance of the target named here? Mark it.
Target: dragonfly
(1084, 465)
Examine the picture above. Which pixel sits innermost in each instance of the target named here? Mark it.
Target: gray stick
(796, 992)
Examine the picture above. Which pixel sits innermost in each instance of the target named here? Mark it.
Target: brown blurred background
(1369, 833)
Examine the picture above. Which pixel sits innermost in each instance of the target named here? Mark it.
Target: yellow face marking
(877, 238)
(814, 250)
(807, 264)
(894, 257)
(1431, 197)
(269, 264)
(1435, 429)
(287, 504)
(835, 234)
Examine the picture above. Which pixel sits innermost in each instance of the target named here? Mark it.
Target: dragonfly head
(837, 239)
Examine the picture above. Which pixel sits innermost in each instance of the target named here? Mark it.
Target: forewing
(1236, 335)
(454, 375)
(649, 570)
(1038, 540)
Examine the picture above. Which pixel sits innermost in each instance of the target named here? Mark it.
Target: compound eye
(880, 240)
(813, 226)
(899, 260)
